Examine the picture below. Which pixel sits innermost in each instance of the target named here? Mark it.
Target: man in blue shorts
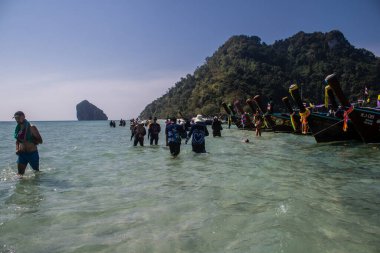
(27, 138)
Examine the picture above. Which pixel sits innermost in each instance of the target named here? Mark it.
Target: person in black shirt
(216, 127)
(139, 133)
(153, 131)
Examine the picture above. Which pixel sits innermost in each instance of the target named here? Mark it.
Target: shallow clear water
(278, 193)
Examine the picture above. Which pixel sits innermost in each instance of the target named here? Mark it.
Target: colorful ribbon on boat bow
(304, 117)
(345, 118)
(292, 119)
(327, 88)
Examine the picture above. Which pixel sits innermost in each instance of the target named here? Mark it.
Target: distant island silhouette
(88, 111)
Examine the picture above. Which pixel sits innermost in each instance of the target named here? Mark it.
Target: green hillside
(244, 66)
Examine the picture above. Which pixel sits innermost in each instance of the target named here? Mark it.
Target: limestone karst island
(88, 111)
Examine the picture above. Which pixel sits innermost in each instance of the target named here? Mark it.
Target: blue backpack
(173, 135)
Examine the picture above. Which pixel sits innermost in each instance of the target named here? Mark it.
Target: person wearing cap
(153, 131)
(173, 132)
(27, 138)
(139, 133)
(199, 132)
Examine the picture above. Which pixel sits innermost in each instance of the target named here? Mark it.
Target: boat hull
(367, 122)
(329, 129)
(282, 123)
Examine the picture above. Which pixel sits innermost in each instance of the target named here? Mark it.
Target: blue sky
(122, 54)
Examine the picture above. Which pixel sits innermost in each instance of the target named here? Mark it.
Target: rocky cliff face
(88, 111)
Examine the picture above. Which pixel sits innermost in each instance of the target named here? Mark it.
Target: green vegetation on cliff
(244, 66)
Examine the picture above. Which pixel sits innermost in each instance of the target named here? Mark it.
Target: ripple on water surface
(277, 193)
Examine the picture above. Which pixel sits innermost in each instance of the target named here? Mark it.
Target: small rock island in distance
(88, 111)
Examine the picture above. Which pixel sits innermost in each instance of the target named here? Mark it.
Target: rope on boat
(328, 127)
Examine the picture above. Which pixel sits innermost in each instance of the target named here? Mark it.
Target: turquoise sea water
(278, 193)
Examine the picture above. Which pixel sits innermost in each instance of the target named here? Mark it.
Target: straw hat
(199, 118)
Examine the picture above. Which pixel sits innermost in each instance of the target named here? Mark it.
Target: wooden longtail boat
(329, 97)
(365, 120)
(267, 118)
(282, 123)
(278, 122)
(228, 111)
(248, 121)
(251, 104)
(231, 112)
(324, 128)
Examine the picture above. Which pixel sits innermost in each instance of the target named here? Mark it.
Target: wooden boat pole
(238, 106)
(233, 112)
(294, 92)
(258, 101)
(331, 96)
(249, 122)
(286, 102)
(228, 111)
(304, 113)
(260, 106)
(251, 105)
(295, 126)
(333, 81)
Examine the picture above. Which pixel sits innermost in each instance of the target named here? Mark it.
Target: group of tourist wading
(327, 123)
(175, 132)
